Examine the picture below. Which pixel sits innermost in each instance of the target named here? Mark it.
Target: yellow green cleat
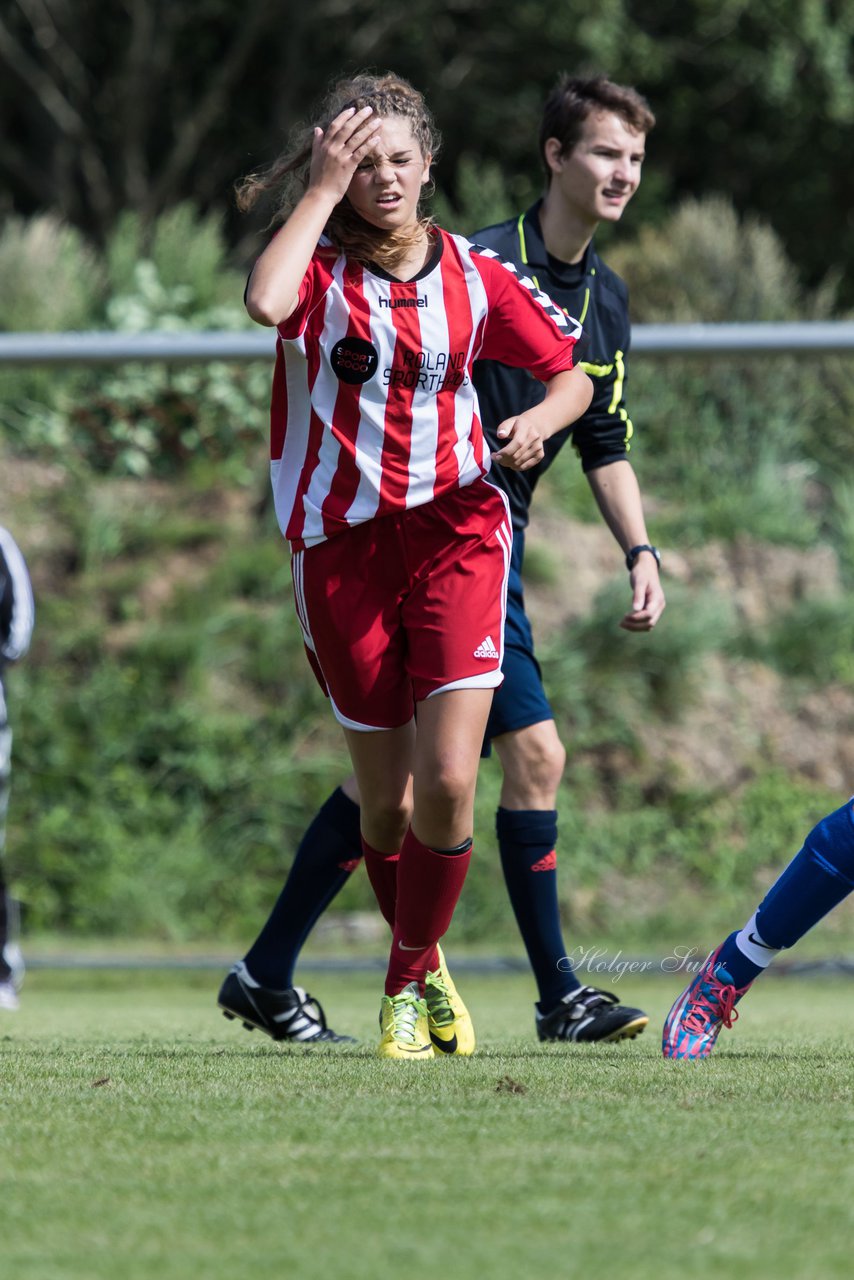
(448, 1020)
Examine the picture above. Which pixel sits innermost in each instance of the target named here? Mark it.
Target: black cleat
(285, 1015)
(590, 1014)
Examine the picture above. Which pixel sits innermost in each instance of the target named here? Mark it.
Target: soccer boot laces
(403, 1026)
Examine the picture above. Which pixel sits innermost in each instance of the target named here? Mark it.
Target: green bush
(185, 251)
(705, 263)
(163, 775)
(145, 418)
(810, 642)
(51, 278)
(708, 427)
(842, 523)
(484, 194)
(610, 668)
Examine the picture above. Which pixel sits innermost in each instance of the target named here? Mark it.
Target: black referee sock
(327, 855)
(526, 840)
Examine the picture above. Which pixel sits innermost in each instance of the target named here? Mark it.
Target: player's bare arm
(274, 284)
(617, 493)
(568, 395)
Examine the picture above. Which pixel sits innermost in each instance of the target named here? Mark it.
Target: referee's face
(597, 179)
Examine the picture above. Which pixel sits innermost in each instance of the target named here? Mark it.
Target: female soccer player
(400, 547)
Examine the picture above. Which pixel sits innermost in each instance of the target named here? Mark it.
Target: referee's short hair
(574, 98)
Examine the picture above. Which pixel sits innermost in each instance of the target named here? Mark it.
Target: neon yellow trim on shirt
(523, 253)
(618, 381)
(521, 232)
(594, 370)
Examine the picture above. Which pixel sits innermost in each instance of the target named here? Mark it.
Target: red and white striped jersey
(373, 406)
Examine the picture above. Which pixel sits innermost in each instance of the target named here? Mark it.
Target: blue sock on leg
(526, 841)
(327, 855)
(815, 881)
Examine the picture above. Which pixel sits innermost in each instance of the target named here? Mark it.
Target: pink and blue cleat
(707, 1004)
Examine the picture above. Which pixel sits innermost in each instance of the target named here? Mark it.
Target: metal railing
(824, 337)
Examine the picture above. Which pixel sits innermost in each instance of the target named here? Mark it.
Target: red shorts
(407, 605)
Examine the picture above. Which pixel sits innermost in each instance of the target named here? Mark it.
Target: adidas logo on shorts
(486, 649)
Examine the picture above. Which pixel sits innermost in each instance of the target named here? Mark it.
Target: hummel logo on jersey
(486, 649)
(403, 302)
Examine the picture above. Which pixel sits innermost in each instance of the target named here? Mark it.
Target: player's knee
(535, 766)
(553, 763)
(385, 822)
(446, 787)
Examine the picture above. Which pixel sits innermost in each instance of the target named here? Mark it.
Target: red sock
(428, 887)
(382, 873)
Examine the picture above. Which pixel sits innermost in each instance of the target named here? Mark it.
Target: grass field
(143, 1135)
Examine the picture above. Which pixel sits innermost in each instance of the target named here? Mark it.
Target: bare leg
(383, 763)
(447, 754)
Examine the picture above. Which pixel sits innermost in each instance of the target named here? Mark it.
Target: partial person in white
(16, 628)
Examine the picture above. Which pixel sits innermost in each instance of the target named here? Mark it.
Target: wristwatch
(631, 556)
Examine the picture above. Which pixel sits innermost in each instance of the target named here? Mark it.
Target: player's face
(387, 184)
(598, 178)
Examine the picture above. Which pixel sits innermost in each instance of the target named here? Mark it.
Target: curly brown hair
(287, 177)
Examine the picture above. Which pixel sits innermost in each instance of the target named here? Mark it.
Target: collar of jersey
(430, 265)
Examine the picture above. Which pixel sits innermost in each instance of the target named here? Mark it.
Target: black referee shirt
(593, 294)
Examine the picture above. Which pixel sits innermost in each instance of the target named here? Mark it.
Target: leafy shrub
(810, 642)
(149, 418)
(51, 278)
(708, 264)
(656, 669)
(709, 425)
(842, 520)
(484, 194)
(185, 251)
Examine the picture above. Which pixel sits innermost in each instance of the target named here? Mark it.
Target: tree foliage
(143, 104)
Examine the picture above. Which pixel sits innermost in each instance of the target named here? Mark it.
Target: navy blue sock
(526, 840)
(740, 968)
(815, 881)
(327, 855)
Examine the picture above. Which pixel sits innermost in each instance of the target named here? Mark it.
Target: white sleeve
(15, 645)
